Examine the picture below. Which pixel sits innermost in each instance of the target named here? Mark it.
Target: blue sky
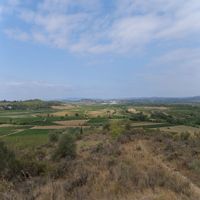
(53, 49)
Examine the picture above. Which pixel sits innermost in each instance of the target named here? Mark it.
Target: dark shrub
(32, 168)
(106, 127)
(53, 137)
(66, 147)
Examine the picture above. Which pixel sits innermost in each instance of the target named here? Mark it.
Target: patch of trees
(139, 117)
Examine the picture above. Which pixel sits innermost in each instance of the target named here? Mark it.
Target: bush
(139, 117)
(9, 166)
(106, 127)
(31, 167)
(195, 165)
(53, 137)
(116, 130)
(66, 147)
(184, 135)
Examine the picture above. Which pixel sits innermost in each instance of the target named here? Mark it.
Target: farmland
(110, 140)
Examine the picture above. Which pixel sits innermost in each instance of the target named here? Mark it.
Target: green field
(16, 123)
(27, 139)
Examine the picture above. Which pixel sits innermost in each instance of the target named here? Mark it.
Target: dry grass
(105, 169)
(180, 129)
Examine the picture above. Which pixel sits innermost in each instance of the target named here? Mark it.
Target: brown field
(132, 110)
(62, 113)
(180, 129)
(56, 114)
(153, 108)
(71, 122)
(103, 112)
(64, 107)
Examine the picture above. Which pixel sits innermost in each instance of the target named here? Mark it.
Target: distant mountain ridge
(165, 100)
(135, 100)
(145, 100)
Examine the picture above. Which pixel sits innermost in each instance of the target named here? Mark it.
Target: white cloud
(133, 32)
(84, 25)
(176, 73)
(17, 34)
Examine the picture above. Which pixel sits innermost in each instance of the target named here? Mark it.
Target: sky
(59, 49)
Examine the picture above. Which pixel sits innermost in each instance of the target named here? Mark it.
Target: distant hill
(163, 100)
(141, 100)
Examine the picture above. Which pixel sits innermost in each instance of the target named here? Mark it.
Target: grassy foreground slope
(134, 165)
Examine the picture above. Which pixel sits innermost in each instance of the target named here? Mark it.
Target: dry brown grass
(108, 170)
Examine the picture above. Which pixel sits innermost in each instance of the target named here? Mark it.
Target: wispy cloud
(86, 26)
(17, 34)
(176, 73)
